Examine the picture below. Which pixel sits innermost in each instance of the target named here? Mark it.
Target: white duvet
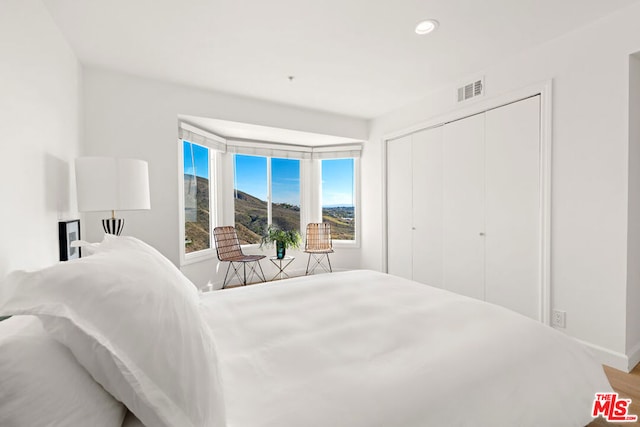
(364, 349)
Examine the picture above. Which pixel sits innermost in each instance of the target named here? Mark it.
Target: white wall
(589, 68)
(128, 116)
(633, 240)
(39, 118)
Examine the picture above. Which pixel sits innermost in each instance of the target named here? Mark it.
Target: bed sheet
(365, 349)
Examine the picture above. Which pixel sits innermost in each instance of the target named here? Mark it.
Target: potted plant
(282, 239)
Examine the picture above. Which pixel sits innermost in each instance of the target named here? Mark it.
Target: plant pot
(281, 250)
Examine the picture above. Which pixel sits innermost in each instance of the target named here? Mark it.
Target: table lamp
(111, 184)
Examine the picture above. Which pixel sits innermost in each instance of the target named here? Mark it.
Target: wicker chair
(229, 250)
(318, 245)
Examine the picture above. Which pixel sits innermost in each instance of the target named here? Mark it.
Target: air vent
(471, 90)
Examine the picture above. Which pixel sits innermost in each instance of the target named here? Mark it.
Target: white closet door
(463, 206)
(399, 202)
(513, 206)
(427, 206)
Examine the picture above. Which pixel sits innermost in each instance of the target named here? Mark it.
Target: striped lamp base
(113, 225)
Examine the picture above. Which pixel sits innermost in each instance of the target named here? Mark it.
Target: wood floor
(627, 386)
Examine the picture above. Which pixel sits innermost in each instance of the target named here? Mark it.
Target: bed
(353, 349)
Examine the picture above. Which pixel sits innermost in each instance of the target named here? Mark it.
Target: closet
(463, 206)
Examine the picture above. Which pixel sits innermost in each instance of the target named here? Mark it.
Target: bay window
(252, 184)
(285, 194)
(197, 197)
(266, 191)
(339, 197)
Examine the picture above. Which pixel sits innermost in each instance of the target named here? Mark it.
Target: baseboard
(634, 357)
(607, 357)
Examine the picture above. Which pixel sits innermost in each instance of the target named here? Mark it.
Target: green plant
(287, 238)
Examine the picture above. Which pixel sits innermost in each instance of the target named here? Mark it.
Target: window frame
(221, 167)
(355, 243)
(303, 211)
(215, 213)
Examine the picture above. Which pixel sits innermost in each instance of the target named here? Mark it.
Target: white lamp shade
(106, 183)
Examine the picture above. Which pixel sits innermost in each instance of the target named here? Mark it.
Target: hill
(342, 222)
(196, 229)
(251, 217)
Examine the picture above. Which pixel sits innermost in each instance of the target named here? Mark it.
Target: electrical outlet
(559, 319)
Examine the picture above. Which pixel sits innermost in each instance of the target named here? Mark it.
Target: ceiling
(246, 131)
(354, 57)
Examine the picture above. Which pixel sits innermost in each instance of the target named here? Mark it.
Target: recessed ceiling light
(425, 27)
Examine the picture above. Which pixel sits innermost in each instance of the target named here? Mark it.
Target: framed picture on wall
(68, 232)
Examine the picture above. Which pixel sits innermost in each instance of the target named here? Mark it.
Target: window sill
(346, 244)
(195, 257)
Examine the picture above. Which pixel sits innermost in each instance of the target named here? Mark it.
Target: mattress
(366, 349)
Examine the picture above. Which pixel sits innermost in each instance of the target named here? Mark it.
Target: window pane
(250, 194)
(285, 193)
(196, 197)
(338, 197)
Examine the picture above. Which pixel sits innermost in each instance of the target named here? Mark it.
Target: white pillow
(42, 384)
(133, 321)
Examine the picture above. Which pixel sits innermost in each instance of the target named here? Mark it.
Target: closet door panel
(513, 206)
(427, 206)
(463, 206)
(399, 207)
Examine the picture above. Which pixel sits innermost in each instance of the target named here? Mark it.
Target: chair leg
(320, 259)
(244, 271)
(317, 261)
(224, 283)
(306, 273)
(236, 273)
(264, 279)
(254, 271)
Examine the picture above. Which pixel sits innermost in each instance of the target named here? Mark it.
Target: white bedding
(364, 349)
(131, 320)
(42, 385)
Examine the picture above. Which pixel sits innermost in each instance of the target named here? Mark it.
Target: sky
(251, 176)
(195, 156)
(337, 182)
